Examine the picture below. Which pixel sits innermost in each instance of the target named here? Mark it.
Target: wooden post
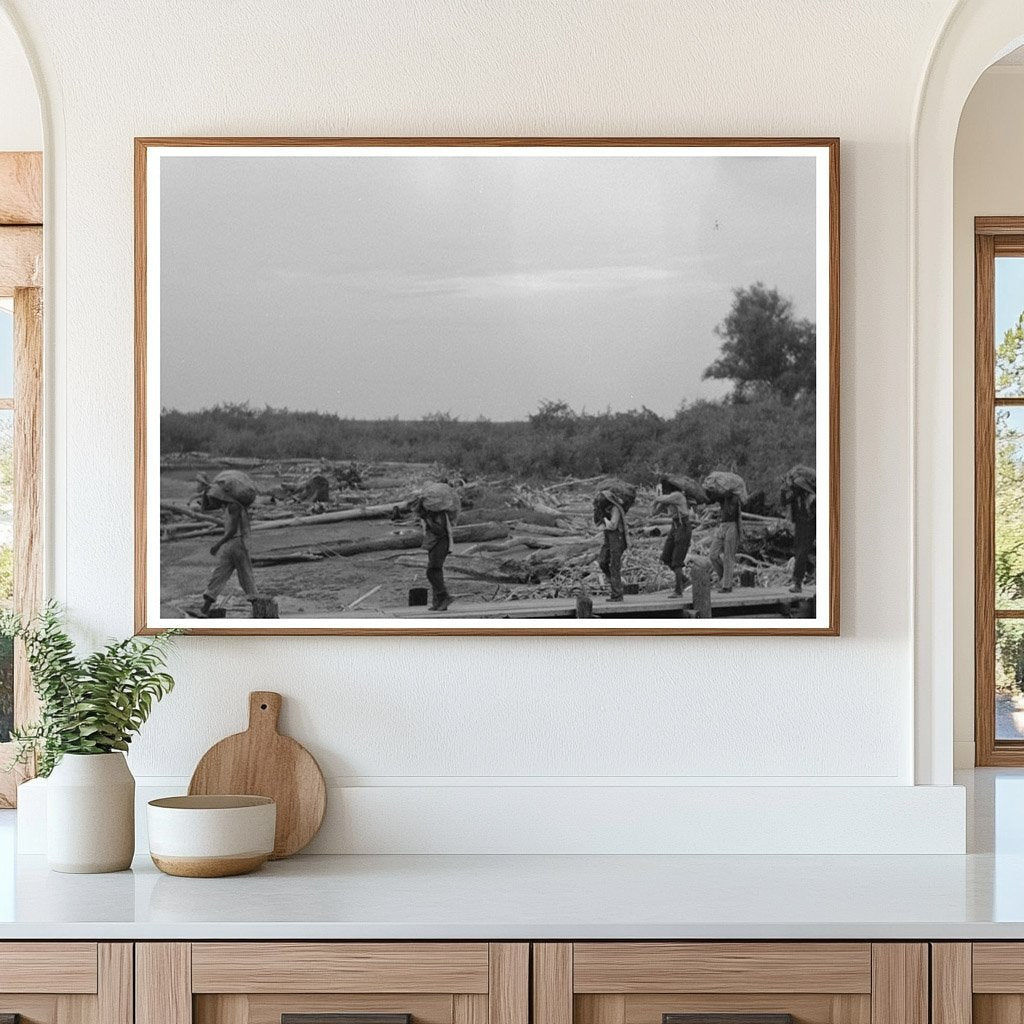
(264, 608)
(28, 483)
(700, 581)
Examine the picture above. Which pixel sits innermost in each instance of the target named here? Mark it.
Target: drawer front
(64, 967)
(756, 967)
(332, 983)
(66, 982)
(730, 983)
(340, 967)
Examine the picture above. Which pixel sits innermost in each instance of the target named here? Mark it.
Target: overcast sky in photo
(380, 286)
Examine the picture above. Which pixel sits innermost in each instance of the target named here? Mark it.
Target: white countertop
(516, 897)
(978, 896)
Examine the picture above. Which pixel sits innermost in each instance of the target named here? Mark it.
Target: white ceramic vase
(90, 814)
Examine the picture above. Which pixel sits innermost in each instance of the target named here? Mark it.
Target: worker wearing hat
(677, 543)
(231, 550)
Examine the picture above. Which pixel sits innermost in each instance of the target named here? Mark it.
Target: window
(999, 490)
(21, 366)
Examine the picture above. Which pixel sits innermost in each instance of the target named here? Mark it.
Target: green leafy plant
(90, 705)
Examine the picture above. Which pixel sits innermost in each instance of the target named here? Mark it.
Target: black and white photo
(458, 385)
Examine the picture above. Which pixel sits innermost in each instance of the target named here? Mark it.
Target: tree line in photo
(764, 426)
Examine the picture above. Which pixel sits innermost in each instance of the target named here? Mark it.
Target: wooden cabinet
(66, 982)
(980, 982)
(309, 982)
(494, 983)
(753, 982)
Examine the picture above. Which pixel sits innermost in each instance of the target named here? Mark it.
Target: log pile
(530, 541)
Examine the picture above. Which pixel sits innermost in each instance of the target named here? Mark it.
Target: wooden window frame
(993, 237)
(21, 278)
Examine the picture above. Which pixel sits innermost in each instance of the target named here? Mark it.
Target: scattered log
(316, 488)
(506, 515)
(184, 510)
(526, 543)
(476, 533)
(403, 539)
(341, 549)
(183, 531)
(543, 531)
(359, 600)
(770, 520)
(474, 568)
(345, 515)
(574, 482)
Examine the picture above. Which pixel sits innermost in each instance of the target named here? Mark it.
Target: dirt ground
(305, 590)
(309, 589)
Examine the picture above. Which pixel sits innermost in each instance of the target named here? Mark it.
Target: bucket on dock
(418, 597)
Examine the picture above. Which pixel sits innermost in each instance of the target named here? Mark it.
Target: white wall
(431, 716)
(987, 181)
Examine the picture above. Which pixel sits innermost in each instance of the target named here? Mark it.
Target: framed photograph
(498, 386)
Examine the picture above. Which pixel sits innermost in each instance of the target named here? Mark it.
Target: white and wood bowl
(211, 836)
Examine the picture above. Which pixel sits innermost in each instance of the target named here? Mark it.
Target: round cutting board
(262, 762)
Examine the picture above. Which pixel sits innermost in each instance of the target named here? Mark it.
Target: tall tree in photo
(765, 348)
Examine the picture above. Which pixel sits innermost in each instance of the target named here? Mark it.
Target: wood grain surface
(64, 967)
(806, 1008)
(115, 997)
(262, 762)
(305, 967)
(899, 990)
(21, 188)
(633, 967)
(21, 258)
(269, 1008)
(951, 983)
(552, 983)
(163, 983)
(508, 991)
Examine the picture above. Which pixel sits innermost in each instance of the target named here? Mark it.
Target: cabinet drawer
(332, 983)
(65, 967)
(66, 982)
(635, 967)
(340, 967)
(730, 983)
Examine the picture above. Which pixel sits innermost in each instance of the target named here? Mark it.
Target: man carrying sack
(614, 498)
(677, 543)
(235, 492)
(437, 507)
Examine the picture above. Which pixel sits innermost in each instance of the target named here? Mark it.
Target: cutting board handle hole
(263, 707)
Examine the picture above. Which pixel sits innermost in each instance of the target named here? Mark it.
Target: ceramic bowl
(211, 836)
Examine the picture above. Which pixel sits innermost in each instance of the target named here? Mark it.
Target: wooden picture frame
(785, 614)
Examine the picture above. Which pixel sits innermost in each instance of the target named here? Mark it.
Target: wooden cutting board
(262, 762)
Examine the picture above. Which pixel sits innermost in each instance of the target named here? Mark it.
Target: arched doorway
(976, 34)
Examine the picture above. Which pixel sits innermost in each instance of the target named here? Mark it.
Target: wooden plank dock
(742, 601)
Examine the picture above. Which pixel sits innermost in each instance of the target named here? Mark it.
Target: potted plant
(90, 708)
